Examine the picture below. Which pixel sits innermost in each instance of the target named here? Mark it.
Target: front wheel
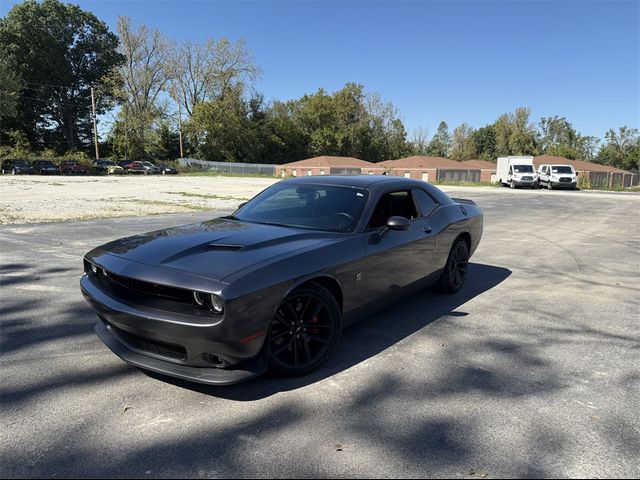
(304, 331)
(512, 185)
(549, 186)
(455, 271)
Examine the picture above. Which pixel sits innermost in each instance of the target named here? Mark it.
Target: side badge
(358, 276)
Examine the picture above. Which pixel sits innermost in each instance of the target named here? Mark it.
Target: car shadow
(366, 338)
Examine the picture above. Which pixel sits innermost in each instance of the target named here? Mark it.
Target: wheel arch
(328, 282)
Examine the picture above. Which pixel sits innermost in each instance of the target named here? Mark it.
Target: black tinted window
(425, 202)
(393, 204)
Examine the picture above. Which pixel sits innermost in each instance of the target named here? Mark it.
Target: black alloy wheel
(304, 331)
(455, 271)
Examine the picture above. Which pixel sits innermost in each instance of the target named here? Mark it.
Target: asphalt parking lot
(532, 370)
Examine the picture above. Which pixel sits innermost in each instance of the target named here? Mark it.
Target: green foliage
(58, 51)
(622, 149)
(440, 144)
(463, 145)
(484, 140)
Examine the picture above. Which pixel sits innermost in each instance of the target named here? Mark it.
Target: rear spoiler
(463, 200)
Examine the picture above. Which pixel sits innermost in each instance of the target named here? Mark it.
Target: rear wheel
(304, 331)
(455, 271)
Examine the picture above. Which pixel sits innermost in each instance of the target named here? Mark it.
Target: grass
(209, 197)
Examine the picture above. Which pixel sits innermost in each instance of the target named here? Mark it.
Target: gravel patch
(38, 199)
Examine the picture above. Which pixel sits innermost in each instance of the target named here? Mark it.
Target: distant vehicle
(73, 167)
(557, 176)
(125, 165)
(167, 169)
(108, 167)
(16, 167)
(145, 168)
(151, 167)
(45, 167)
(516, 172)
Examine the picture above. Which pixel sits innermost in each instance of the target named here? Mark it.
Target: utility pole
(180, 128)
(95, 127)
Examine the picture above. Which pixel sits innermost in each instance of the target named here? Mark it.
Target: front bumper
(563, 184)
(169, 343)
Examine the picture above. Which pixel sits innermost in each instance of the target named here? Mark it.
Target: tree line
(154, 88)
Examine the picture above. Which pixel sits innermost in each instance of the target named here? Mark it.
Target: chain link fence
(229, 167)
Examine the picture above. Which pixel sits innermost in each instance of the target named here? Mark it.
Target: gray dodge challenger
(270, 287)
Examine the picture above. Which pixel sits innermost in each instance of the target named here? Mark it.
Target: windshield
(523, 168)
(319, 207)
(562, 169)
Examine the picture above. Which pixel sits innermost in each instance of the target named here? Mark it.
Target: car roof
(377, 184)
(361, 181)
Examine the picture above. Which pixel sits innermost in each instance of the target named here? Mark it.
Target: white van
(516, 172)
(557, 176)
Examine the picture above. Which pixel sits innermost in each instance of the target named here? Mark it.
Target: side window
(510, 170)
(425, 202)
(393, 204)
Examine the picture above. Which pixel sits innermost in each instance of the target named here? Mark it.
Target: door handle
(427, 229)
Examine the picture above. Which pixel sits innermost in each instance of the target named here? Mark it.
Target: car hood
(214, 249)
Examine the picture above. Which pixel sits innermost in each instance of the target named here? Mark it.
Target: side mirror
(398, 223)
(395, 223)
(242, 205)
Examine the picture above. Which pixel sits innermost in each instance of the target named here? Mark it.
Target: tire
(549, 186)
(13, 172)
(512, 185)
(455, 271)
(304, 331)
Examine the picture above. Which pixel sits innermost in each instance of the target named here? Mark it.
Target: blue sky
(455, 61)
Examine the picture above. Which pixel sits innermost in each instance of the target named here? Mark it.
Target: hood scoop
(224, 247)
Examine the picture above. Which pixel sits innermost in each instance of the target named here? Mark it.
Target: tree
(11, 86)
(440, 144)
(462, 143)
(484, 140)
(419, 141)
(139, 83)
(59, 52)
(201, 72)
(622, 149)
(222, 129)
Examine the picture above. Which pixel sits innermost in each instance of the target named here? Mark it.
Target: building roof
(422, 162)
(578, 165)
(481, 164)
(328, 161)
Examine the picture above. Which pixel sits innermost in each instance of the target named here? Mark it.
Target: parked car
(138, 167)
(73, 167)
(167, 169)
(152, 168)
(107, 167)
(16, 167)
(45, 167)
(125, 165)
(270, 287)
(557, 176)
(516, 172)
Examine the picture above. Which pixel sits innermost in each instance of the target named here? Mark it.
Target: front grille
(527, 179)
(565, 179)
(147, 288)
(177, 352)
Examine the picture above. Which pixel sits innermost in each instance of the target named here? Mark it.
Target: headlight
(217, 303)
(198, 298)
